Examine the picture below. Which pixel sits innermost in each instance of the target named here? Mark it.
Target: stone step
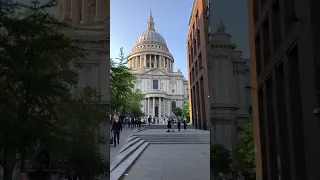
(125, 154)
(179, 142)
(117, 172)
(128, 144)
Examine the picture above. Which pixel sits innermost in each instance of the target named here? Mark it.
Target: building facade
(153, 66)
(89, 27)
(285, 79)
(230, 88)
(198, 82)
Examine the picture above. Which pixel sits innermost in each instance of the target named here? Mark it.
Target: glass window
(173, 104)
(155, 84)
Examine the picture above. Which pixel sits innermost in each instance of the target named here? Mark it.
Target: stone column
(160, 113)
(155, 61)
(99, 11)
(153, 108)
(148, 107)
(75, 16)
(140, 61)
(85, 12)
(64, 9)
(150, 60)
(145, 61)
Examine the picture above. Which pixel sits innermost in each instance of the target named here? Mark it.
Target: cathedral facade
(153, 66)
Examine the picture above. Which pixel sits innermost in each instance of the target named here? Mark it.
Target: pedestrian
(169, 125)
(116, 128)
(172, 124)
(132, 122)
(129, 122)
(179, 123)
(185, 124)
(149, 120)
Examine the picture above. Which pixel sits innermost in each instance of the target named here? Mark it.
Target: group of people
(117, 127)
(178, 121)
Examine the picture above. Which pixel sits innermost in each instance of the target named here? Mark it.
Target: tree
(177, 111)
(121, 86)
(78, 149)
(245, 155)
(133, 104)
(35, 74)
(186, 110)
(220, 160)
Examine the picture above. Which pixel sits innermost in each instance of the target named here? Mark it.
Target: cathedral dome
(150, 36)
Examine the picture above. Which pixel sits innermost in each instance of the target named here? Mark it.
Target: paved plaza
(155, 154)
(172, 162)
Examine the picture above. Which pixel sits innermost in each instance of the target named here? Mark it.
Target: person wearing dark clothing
(185, 124)
(169, 125)
(116, 128)
(149, 120)
(139, 123)
(179, 123)
(132, 122)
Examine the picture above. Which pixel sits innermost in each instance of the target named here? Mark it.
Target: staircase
(139, 141)
(175, 138)
(164, 126)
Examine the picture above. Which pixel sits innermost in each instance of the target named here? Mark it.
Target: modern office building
(285, 79)
(198, 82)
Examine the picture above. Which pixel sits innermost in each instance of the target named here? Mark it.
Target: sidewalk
(123, 137)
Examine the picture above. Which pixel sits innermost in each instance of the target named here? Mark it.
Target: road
(123, 137)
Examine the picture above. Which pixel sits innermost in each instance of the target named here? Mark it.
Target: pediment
(155, 71)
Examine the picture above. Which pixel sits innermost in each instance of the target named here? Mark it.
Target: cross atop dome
(150, 25)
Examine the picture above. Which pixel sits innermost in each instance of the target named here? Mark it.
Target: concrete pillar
(75, 16)
(148, 107)
(160, 113)
(140, 60)
(153, 108)
(99, 10)
(164, 107)
(150, 60)
(85, 12)
(145, 61)
(64, 9)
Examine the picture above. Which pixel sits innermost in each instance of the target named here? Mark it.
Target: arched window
(172, 90)
(173, 104)
(155, 84)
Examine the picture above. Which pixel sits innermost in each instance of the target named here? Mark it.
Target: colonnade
(83, 11)
(163, 105)
(150, 61)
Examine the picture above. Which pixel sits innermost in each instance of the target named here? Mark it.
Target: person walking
(172, 124)
(169, 125)
(185, 124)
(179, 123)
(149, 120)
(116, 128)
(132, 122)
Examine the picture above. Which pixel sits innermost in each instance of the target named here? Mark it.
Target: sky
(128, 19)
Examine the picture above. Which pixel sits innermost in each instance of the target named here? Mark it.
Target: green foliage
(38, 65)
(220, 160)
(186, 110)
(177, 111)
(133, 103)
(245, 155)
(81, 116)
(123, 97)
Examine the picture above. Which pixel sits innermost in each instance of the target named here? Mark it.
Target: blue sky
(128, 19)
